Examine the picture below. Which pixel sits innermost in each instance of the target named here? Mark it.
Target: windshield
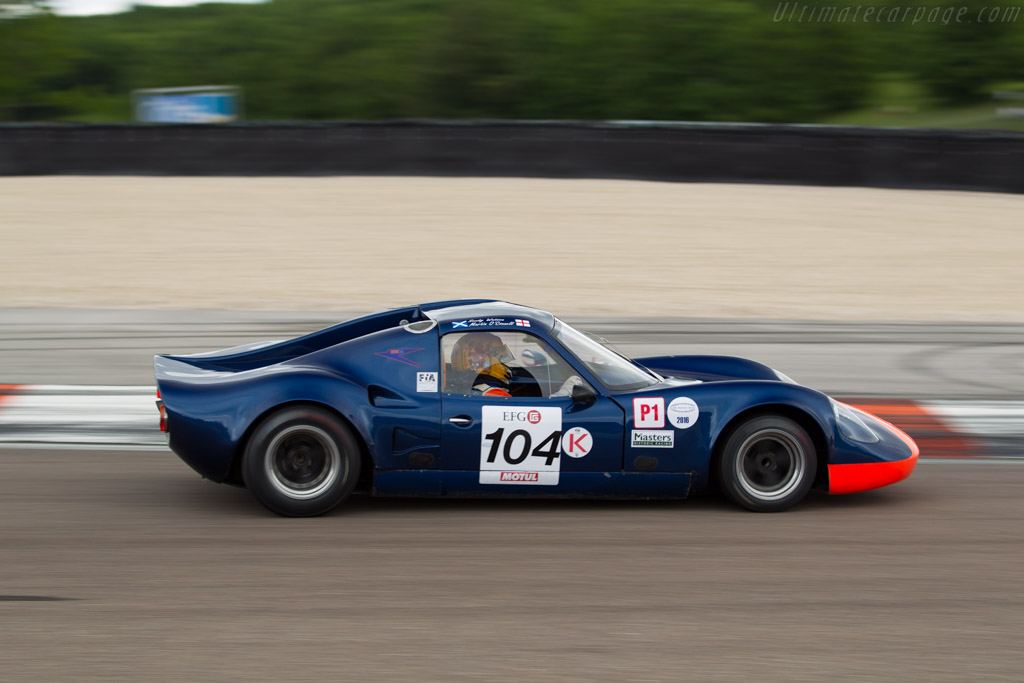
(614, 371)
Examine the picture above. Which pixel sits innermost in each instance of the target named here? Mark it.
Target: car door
(534, 441)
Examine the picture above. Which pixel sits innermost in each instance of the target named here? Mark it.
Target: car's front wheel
(301, 461)
(768, 464)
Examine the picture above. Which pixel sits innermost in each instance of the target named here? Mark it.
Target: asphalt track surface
(125, 566)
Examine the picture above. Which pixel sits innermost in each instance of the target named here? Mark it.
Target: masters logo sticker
(653, 439)
(682, 412)
(521, 445)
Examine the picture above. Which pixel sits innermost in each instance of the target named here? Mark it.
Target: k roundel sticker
(577, 442)
(682, 412)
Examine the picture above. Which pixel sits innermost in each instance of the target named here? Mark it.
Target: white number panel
(521, 445)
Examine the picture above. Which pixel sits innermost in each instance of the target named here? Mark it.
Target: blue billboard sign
(205, 104)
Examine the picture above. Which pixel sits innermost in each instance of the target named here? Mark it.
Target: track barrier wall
(693, 152)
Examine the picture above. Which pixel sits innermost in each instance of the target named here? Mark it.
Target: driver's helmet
(482, 353)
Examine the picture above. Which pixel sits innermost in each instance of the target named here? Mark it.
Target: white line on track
(125, 417)
(1008, 460)
(72, 416)
(88, 389)
(37, 446)
(980, 418)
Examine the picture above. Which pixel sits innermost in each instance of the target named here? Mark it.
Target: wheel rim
(770, 465)
(302, 462)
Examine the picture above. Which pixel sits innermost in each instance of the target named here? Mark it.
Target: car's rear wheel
(301, 461)
(768, 464)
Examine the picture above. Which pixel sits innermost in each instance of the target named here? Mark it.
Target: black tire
(301, 461)
(768, 464)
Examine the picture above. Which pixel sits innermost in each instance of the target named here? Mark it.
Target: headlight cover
(854, 424)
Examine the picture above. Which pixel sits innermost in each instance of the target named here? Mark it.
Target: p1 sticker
(653, 439)
(683, 412)
(577, 442)
(426, 381)
(649, 412)
(520, 445)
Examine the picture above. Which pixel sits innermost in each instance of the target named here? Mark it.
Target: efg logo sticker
(682, 412)
(643, 438)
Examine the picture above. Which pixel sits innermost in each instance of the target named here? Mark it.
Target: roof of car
(483, 309)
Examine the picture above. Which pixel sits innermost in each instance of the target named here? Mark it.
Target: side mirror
(582, 393)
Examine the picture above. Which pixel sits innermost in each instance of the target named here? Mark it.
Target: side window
(501, 364)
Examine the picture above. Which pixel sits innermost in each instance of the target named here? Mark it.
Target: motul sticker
(653, 439)
(683, 412)
(520, 476)
(649, 412)
(528, 478)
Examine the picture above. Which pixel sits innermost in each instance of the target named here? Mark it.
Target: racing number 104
(518, 443)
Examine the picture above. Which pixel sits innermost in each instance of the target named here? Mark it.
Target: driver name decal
(520, 445)
(490, 322)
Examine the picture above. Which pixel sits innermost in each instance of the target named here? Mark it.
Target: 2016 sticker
(520, 445)
(683, 412)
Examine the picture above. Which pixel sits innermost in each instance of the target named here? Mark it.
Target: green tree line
(721, 60)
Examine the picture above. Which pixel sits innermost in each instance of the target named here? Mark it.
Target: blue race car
(486, 398)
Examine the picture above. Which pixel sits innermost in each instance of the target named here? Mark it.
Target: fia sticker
(658, 439)
(426, 382)
(520, 445)
(683, 412)
(649, 412)
(577, 442)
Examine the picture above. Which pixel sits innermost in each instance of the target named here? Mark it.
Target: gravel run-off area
(577, 247)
